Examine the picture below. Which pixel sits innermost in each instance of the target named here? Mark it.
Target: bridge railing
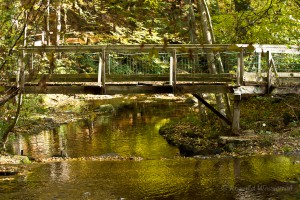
(163, 64)
(118, 63)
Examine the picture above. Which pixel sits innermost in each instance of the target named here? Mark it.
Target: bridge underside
(142, 88)
(139, 88)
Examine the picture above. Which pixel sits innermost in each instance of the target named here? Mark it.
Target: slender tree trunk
(20, 84)
(58, 22)
(192, 22)
(48, 23)
(13, 124)
(209, 38)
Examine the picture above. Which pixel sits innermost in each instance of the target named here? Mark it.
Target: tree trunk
(209, 38)
(21, 83)
(192, 22)
(48, 23)
(58, 22)
(12, 125)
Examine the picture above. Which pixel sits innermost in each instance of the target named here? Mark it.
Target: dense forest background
(83, 22)
(147, 21)
(58, 22)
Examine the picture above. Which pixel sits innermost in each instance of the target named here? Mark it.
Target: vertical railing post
(109, 63)
(174, 66)
(103, 71)
(269, 72)
(171, 69)
(259, 63)
(235, 127)
(104, 59)
(240, 69)
(237, 96)
(259, 70)
(100, 70)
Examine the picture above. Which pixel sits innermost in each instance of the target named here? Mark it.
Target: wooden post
(104, 58)
(242, 65)
(100, 70)
(238, 72)
(171, 69)
(174, 66)
(236, 111)
(259, 63)
(109, 64)
(269, 73)
(240, 69)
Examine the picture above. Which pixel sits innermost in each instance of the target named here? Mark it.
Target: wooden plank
(153, 89)
(138, 89)
(63, 90)
(254, 90)
(202, 88)
(286, 90)
(60, 78)
(166, 48)
(124, 89)
(289, 74)
(127, 78)
(262, 89)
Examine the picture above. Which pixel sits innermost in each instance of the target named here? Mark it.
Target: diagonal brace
(222, 117)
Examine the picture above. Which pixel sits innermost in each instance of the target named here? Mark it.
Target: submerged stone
(108, 108)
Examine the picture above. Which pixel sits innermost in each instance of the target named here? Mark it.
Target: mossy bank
(270, 125)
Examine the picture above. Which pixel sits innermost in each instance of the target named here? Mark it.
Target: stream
(132, 130)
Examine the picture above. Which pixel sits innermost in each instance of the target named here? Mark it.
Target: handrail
(169, 47)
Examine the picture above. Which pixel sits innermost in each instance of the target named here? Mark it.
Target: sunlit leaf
(183, 49)
(234, 48)
(250, 48)
(217, 49)
(2, 88)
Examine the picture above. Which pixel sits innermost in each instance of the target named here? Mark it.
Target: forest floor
(269, 125)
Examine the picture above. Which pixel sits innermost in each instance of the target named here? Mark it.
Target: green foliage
(33, 104)
(269, 22)
(139, 64)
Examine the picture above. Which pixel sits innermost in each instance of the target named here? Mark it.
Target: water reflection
(130, 130)
(59, 172)
(133, 130)
(228, 178)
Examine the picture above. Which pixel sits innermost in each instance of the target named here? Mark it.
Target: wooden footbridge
(128, 69)
(151, 69)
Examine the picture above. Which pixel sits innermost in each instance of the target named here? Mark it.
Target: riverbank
(47, 112)
(56, 110)
(270, 125)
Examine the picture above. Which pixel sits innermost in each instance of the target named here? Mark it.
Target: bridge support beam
(235, 127)
(222, 117)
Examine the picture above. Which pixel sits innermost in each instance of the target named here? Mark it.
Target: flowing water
(132, 130)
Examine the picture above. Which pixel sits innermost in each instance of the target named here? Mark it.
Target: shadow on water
(132, 130)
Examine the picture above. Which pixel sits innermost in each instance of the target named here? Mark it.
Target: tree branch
(11, 93)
